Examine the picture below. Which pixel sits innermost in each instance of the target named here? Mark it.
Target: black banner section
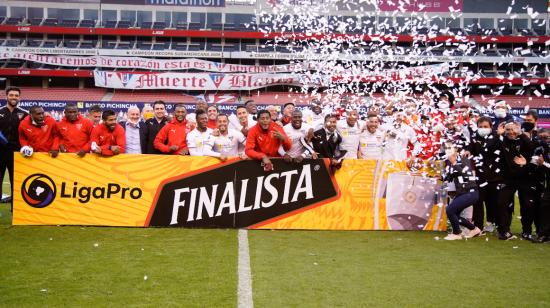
(242, 194)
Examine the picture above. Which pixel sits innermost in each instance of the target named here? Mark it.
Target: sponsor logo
(38, 190)
(242, 194)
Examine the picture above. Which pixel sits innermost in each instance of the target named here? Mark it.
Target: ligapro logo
(38, 190)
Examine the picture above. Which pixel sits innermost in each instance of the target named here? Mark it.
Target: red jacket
(173, 133)
(75, 136)
(105, 138)
(40, 138)
(260, 144)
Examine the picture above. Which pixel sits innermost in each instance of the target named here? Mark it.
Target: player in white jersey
(299, 133)
(226, 142)
(398, 135)
(315, 117)
(242, 121)
(350, 129)
(371, 139)
(198, 137)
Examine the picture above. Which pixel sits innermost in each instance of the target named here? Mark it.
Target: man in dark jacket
(135, 131)
(10, 117)
(153, 126)
(484, 147)
(326, 141)
(515, 152)
(543, 161)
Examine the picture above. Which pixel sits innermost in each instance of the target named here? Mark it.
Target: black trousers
(544, 223)
(6, 162)
(527, 193)
(488, 197)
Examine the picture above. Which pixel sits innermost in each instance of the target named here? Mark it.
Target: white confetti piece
(145, 277)
(96, 245)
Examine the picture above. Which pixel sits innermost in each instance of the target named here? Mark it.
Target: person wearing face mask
(519, 176)
(543, 161)
(461, 176)
(529, 126)
(484, 150)
(500, 111)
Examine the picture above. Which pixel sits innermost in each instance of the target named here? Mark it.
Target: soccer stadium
(273, 153)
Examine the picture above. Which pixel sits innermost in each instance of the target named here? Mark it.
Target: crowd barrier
(201, 192)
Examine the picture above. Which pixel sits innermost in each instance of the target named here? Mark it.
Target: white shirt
(236, 125)
(350, 138)
(316, 121)
(197, 140)
(371, 144)
(229, 145)
(296, 136)
(395, 147)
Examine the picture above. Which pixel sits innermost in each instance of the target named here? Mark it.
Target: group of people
(488, 159)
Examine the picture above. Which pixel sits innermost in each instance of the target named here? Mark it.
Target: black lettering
(84, 194)
(135, 193)
(63, 194)
(101, 191)
(112, 189)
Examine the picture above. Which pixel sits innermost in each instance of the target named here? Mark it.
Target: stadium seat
(180, 46)
(246, 27)
(87, 23)
(181, 26)
(491, 53)
(50, 44)
(109, 44)
(146, 25)
(159, 46)
(125, 45)
(194, 26)
(36, 21)
(50, 22)
(264, 48)
(34, 43)
(505, 31)
(110, 24)
(71, 44)
(13, 20)
(215, 47)
(159, 25)
(144, 45)
(218, 26)
(229, 48)
(71, 23)
(2, 19)
(195, 47)
(13, 43)
(539, 31)
(124, 24)
(229, 27)
(14, 63)
(87, 45)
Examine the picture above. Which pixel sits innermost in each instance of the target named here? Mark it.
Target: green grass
(63, 266)
(91, 266)
(351, 269)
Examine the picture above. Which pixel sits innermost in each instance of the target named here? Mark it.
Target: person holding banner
(171, 138)
(300, 134)
(153, 126)
(326, 142)
(198, 137)
(264, 139)
(242, 121)
(108, 138)
(227, 143)
(38, 133)
(74, 132)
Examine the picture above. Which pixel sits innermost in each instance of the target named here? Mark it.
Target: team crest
(217, 79)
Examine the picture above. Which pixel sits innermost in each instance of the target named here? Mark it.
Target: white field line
(244, 288)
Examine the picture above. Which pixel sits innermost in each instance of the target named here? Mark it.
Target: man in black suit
(326, 141)
(153, 126)
(135, 131)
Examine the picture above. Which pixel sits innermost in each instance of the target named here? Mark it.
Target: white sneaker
(452, 237)
(473, 233)
(489, 227)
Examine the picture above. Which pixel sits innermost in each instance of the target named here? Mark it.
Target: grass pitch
(93, 266)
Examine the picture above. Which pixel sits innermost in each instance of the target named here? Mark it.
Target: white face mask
(443, 105)
(483, 132)
(500, 113)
